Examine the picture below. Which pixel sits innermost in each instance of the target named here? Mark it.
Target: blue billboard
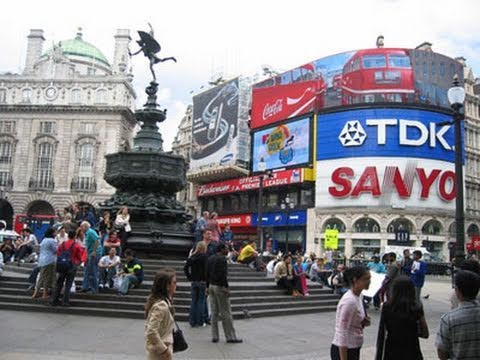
(383, 132)
(284, 145)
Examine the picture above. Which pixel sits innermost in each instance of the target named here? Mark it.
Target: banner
(215, 126)
(331, 239)
(379, 75)
(284, 145)
(279, 178)
(241, 220)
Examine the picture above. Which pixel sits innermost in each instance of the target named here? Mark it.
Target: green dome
(78, 47)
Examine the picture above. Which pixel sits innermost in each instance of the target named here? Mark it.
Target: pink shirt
(348, 325)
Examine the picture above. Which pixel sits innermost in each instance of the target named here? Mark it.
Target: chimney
(34, 49)
(427, 46)
(461, 60)
(120, 55)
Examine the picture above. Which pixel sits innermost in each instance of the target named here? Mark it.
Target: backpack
(64, 260)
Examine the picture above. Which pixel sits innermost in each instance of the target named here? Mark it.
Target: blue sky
(212, 37)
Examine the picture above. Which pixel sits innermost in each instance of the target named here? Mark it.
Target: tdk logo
(409, 133)
(352, 134)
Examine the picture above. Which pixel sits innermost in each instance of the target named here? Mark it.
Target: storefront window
(306, 197)
(244, 201)
(334, 223)
(432, 227)
(293, 196)
(400, 224)
(366, 225)
(235, 202)
(272, 200)
(227, 203)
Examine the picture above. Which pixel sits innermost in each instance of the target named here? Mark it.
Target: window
(76, 96)
(272, 200)
(374, 61)
(5, 162)
(400, 61)
(91, 71)
(47, 127)
(87, 128)
(86, 167)
(306, 197)
(3, 95)
(27, 95)
(442, 68)
(43, 176)
(7, 127)
(101, 96)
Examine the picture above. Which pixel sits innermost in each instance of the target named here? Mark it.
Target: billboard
(380, 75)
(387, 158)
(283, 145)
(215, 129)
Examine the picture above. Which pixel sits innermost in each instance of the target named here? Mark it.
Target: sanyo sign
(385, 133)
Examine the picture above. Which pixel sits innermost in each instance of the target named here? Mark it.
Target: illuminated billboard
(284, 145)
(215, 128)
(380, 75)
(394, 157)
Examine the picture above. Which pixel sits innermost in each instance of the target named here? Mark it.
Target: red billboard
(286, 177)
(237, 220)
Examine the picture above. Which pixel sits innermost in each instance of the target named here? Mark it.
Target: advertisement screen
(215, 126)
(282, 146)
(380, 75)
(385, 132)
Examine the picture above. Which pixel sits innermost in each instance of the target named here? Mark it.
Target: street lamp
(262, 167)
(456, 97)
(286, 206)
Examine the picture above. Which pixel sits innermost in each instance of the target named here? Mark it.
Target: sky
(210, 38)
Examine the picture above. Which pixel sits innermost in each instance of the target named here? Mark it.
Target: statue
(150, 47)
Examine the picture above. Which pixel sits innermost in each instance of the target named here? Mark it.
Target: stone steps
(250, 290)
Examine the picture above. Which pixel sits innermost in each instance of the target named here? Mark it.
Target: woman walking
(46, 262)
(159, 312)
(351, 317)
(195, 271)
(401, 323)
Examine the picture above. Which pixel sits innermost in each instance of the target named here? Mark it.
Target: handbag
(179, 342)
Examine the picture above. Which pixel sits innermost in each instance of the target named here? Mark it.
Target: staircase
(251, 293)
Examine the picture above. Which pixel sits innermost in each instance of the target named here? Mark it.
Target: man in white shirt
(108, 266)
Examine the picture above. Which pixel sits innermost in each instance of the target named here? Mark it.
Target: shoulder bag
(179, 342)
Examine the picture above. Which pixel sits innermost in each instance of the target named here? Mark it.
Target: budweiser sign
(285, 177)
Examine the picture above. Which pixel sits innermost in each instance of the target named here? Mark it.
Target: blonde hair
(200, 248)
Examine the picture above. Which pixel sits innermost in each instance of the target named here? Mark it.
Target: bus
(286, 95)
(378, 75)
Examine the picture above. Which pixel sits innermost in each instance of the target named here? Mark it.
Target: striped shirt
(459, 332)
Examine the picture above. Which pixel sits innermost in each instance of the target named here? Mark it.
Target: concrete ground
(56, 336)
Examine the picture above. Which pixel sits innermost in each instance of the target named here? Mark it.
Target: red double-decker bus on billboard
(289, 94)
(378, 75)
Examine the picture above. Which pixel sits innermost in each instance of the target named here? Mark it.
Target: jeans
(23, 251)
(197, 307)
(128, 280)
(107, 275)
(67, 279)
(32, 279)
(352, 354)
(90, 275)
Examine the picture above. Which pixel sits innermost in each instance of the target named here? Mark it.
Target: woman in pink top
(351, 316)
(214, 227)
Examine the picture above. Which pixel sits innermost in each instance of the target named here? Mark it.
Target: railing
(35, 184)
(83, 185)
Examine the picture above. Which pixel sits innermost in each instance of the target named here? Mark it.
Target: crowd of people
(402, 319)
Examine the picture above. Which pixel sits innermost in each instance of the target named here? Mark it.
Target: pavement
(46, 336)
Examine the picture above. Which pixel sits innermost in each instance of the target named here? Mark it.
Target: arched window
(432, 227)
(400, 224)
(86, 167)
(6, 153)
(366, 225)
(473, 230)
(101, 96)
(44, 163)
(76, 96)
(335, 223)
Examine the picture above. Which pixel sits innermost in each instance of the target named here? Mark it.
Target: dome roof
(81, 48)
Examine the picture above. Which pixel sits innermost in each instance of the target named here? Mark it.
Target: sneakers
(234, 341)
(107, 286)
(100, 286)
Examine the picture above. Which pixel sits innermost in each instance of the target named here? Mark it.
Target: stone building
(181, 146)
(68, 108)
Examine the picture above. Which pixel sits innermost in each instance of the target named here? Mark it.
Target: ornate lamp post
(456, 97)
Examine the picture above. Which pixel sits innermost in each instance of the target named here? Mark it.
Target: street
(55, 336)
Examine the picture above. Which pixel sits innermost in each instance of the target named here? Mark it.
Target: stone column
(34, 49)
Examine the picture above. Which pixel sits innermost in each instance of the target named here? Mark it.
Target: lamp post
(456, 97)
(286, 206)
(262, 166)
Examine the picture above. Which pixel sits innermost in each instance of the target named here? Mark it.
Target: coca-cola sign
(276, 103)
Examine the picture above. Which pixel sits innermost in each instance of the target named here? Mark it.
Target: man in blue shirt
(94, 251)
(417, 273)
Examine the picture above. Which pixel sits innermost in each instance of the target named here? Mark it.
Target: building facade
(68, 108)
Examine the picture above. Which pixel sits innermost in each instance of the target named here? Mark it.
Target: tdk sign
(385, 133)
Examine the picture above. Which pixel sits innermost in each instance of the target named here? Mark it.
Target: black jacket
(195, 268)
(217, 271)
